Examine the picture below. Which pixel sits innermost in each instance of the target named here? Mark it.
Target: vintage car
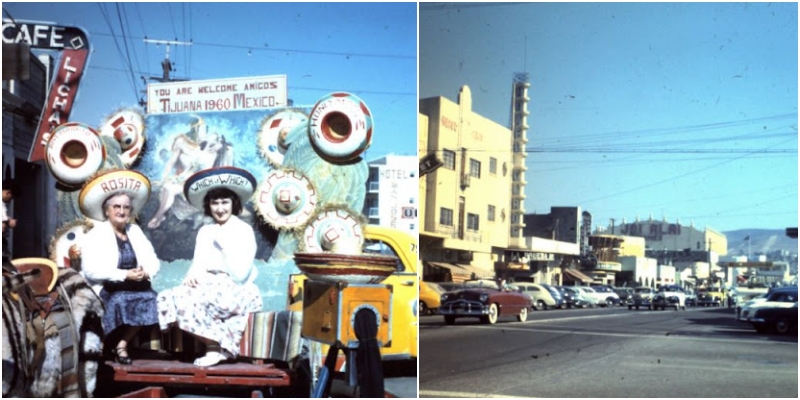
(429, 297)
(713, 296)
(485, 301)
(574, 298)
(765, 321)
(625, 294)
(781, 320)
(542, 295)
(607, 294)
(669, 296)
(642, 297)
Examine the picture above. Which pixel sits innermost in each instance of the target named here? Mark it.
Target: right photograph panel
(608, 200)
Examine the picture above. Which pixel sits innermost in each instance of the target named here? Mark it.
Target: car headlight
(445, 297)
(483, 298)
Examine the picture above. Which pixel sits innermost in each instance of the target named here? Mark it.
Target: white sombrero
(270, 142)
(127, 127)
(336, 229)
(237, 180)
(113, 182)
(286, 199)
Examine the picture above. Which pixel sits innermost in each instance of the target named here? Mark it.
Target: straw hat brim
(239, 181)
(110, 183)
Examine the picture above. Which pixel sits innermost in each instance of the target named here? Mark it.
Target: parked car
(429, 297)
(574, 298)
(691, 297)
(713, 296)
(779, 298)
(625, 294)
(642, 297)
(611, 297)
(669, 296)
(755, 300)
(595, 298)
(542, 295)
(781, 320)
(485, 302)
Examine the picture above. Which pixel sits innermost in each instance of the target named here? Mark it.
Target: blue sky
(683, 111)
(365, 49)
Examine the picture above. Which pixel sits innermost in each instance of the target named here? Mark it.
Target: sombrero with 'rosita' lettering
(113, 182)
(239, 181)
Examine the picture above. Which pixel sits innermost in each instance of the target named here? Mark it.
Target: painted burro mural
(305, 160)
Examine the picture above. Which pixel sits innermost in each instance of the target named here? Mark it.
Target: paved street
(701, 352)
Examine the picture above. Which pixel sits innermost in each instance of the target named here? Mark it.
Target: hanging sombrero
(66, 236)
(340, 127)
(74, 152)
(271, 137)
(239, 181)
(335, 229)
(286, 199)
(113, 182)
(127, 127)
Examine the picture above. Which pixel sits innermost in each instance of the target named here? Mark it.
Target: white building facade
(393, 193)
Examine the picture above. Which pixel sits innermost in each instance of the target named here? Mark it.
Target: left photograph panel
(207, 199)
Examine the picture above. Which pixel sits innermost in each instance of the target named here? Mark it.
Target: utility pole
(166, 66)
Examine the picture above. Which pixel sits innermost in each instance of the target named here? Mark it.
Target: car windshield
(436, 288)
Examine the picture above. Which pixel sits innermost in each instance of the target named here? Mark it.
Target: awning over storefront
(455, 270)
(478, 271)
(574, 274)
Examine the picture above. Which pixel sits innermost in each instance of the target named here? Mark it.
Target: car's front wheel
(782, 326)
(423, 308)
(523, 314)
(609, 303)
(540, 305)
(492, 317)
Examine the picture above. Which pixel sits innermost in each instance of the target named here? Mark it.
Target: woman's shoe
(121, 355)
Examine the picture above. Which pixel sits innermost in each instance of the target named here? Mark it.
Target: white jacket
(229, 248)
(100, 255)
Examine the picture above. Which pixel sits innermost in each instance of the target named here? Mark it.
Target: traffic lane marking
(469, 395)
(669, 336)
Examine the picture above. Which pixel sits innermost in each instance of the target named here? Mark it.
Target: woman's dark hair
(222, 193)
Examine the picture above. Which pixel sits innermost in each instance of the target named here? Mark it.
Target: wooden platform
(182, 373)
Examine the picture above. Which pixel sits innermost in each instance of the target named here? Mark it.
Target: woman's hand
(136, 274)
(191, 281)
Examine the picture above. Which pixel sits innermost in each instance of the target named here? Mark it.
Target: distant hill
(762, 241)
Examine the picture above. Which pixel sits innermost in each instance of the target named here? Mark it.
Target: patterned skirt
(123, 307)
(217, 309)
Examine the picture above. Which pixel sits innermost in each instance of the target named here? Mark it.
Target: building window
(515, 176)
(449, 159)
(515, 204)
(490, 213)
(411, 200)
(472, 221)
(474, 167)
(492, 165)
(517, 147)
(445, 217)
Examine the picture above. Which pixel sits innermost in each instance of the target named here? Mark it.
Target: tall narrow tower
(519, 127)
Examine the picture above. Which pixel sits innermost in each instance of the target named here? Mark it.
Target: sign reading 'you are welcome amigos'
(236, 94)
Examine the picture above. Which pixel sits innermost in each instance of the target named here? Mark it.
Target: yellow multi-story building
(465, 204)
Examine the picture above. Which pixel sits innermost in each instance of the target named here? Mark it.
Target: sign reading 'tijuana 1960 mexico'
(236, 94)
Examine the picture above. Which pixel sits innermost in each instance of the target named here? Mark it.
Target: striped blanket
(272, 335)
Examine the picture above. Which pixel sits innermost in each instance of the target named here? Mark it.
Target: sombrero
(127, 127)
(334, 229)
(113, 182)
(74, 153)
(272, 145)
(286, 199)
(48, 273)
(237, 180)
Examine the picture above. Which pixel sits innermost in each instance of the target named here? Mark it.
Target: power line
(290, 50)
